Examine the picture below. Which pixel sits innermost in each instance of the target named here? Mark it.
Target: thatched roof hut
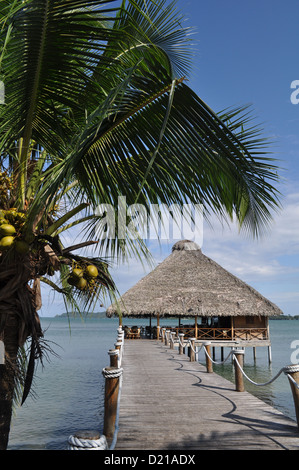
(188, 283)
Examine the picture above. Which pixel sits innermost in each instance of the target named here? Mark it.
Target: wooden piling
(209, 364)
(239, 356)
(167, 332)
(181, 343)
(293, 375)
(172, 334)
(112, 375)
(192, 349)
(114, 355)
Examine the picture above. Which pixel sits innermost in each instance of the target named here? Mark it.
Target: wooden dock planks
(170, 403)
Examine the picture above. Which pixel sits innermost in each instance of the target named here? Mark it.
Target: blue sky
(246, 52)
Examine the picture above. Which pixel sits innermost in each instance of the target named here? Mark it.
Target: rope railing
(292, 371)
(256, 383)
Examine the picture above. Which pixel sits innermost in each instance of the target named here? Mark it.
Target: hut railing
(250, 333)
(214, 333)
(222, 333)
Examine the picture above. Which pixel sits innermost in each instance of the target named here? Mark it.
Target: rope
(222, 362)
(286, 370)
(76, 443)
(113, 373)
(255, 383)
(293, 368)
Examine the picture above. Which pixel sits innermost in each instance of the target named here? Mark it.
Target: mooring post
(239, 356)
(118, 345)
(158, 332)
(114, 356)
(192, 350)
(112, 377)
(172, 334)
(209, 363)
(293, 375)
(181, 343)
(167, 337)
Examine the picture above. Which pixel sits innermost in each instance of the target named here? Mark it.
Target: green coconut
(6, 243)
(77, 273)
(7, 230)
(81, 284)
(91, 271)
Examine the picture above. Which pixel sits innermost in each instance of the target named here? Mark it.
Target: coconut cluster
(83, 277)
(11, 226)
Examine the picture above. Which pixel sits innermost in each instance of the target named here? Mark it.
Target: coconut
(91, 271)
(81, 284)
(77, 273)
(7, 230)
(6, 242)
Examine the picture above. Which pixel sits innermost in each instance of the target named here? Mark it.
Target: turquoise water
(69, 390)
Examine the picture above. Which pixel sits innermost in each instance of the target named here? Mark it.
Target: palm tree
(97, 107)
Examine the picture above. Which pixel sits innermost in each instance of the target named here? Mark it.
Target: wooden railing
(250, 333)
(224, 333)
(206, 333)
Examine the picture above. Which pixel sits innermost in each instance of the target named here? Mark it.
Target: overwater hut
(188, 284)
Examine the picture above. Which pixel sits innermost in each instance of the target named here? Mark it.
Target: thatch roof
(188, 283)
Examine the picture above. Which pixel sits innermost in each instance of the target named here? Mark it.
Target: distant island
(82, 314)
(285, 317)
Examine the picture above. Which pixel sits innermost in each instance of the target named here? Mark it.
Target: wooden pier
(170, 403)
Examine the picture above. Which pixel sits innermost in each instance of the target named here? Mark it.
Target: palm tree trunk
(10, 337)
(18, 321)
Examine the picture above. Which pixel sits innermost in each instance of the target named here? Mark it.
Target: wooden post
(239, 356)
(195, 326)
(269, 354)
(158, 326)
(181, 340)
(114, 354)
(172, 334)
(192, 349)
(167, 337)
(254, 353)
(112, 376)
(163, 335)
(209, 364)
(293, 375)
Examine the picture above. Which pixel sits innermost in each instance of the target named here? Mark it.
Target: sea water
(68, 393)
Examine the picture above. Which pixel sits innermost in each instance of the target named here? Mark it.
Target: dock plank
(168, 402)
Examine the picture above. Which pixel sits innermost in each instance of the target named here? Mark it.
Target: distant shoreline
(80, 315)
